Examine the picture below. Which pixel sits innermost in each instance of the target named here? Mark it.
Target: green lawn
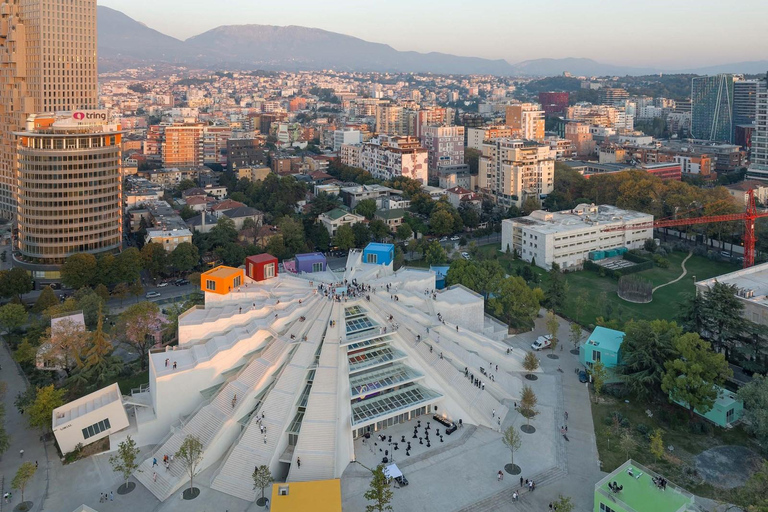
(591, 296)
(674, 424)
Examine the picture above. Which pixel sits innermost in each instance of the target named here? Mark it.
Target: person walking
(298, 462)
(521, 482)
(154, 461)
(501, 476)
(111, 496)
(154, 476)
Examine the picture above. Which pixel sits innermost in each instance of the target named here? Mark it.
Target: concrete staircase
(253, 448)
(208, 421)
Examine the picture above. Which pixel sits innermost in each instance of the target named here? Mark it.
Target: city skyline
(683, 45)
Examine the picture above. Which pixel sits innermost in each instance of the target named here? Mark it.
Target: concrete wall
(70, 434)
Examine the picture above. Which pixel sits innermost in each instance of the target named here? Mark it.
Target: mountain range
(124, 42)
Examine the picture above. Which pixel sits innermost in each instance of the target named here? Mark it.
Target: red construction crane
(749, 216)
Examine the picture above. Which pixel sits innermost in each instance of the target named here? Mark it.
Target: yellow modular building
(317, 496)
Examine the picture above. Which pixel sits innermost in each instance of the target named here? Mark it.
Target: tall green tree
(441, 222)
(12, 318)
(362, 234)
(553, 326)
(693, 378)
(141, 325)
(528, 402)
(46, 400)
(753, 496)
(129, 265)
(435, 254)
(556, 291)
(345, 238)
(23, 475)
(15, 283)
(721, 316)
(46, 299)
(379, 492)
(185, 257)
(190, 454)
(367, 208)
(293, 235)
(576, 335)
(484, 277)
(404, 232)
(647, 345)
(107, 270)
(79, 270)
(516, 303)
(755, 398)
(155, 259)
(125, 460)
(99, 347)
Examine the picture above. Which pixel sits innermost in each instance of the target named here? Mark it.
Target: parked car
(444, 239)
(542, 342)
(455, 237)
(151, 295)
(163, 284)
(181, 282)
(583, 376)
(466, 256)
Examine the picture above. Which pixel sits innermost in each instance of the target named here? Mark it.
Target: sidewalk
(22, 438)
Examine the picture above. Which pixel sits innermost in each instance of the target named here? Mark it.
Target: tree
(657, 444)
(512, 440)
(530, 362)
(293, 236)
(155, 258)
(67, 340)
(576, 335)
(435, 254)
(191, 455)
(184, 257)
(195, 277)
(107, 270)
(125, 461)
(531, 204)
(599, 374)
(262, 478)
(693, 378)
(102, 292)
(25, 353)
(13, 317)
(721, 313)
(753, 496)
(136, 289)
(15, 283)
(79, 270)
(366, 208)
(90, 303)
(129, 264)
(528, 401)
(379, 492)
(362, 234)
(552, 327)
(404, 232)
(379, 229)
(141, 325)
(100, 347)
(755, 397)
(441, 222)
(186, 212)
(627, 444)
(345, 238)
(120, 291)
(46, 299)
(644, 350)
(23, 475)
(563, 504)
(484, 277)
(515, 302)
(41, 410)
(557, 289)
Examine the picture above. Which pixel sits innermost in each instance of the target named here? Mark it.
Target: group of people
(167, 460)
(659, 482)
(615, 487)
(107, 497)
(168, 361)
(475, 382)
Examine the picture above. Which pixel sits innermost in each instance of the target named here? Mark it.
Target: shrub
(643, 429)
(700, 251)
(625, 423)
(660, 262)
(661, 252)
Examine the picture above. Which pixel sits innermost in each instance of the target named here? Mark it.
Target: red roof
(227, 204)
(261, 258)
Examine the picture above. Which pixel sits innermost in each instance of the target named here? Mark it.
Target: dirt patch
(727, 466)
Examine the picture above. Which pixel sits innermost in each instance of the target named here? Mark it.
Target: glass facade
(712, 108)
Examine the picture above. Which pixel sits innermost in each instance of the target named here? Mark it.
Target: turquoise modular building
(726, 410)
(379, 254)
(603, 345)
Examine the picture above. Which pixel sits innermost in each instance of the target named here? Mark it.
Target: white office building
(567, 237)
(346, 136)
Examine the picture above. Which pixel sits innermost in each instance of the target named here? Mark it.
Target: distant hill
(124, 41)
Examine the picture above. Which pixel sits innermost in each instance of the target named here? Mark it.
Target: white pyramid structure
(317, 360)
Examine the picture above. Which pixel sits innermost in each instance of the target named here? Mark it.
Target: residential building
(255, 173)
(346, 136)
(634, 488)
(700, 165)
(526, 120)
(512, 170)
(213, 144)
(450, 176)
(336, 218)
(712, 107)
(351, 154)
(445, 146)
(751, 287)
(240, 214)
(430, 116)
(169, 239)
(665, 171)
(395, 202)
(389, 157)
(758, 168)
(553, 103)
(459, 196)
(246, 152)
(182, 145)
(353, 195)
(581, 138)
(567, 237)
(604, 346)
(70, 193)
(228, 204)
(745, 101)
(612, 95)
(391, 217)
(726, 410)
(390, 120)
(476, 136)
(43, 71)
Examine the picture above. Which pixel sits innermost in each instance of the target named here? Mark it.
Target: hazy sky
(659, 33)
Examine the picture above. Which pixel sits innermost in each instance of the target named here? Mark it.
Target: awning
(392, 471)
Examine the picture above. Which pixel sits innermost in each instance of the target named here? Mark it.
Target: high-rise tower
(47, 64)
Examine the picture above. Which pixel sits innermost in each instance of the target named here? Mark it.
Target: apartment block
(712, 107)
(445, 146)
(476, 136)
(391, 120)
(181, 145)
(346, 136)
(511, 170)
(390, 157)
(526, 121)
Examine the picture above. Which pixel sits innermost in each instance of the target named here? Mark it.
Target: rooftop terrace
(640, 494)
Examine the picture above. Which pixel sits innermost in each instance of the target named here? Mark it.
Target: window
(210, 285)
(605, 508)
(236, 282)
(729, 416)
(371, 258)
(96, 428)
(269, 270)
(317, 267)
(596, 355)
